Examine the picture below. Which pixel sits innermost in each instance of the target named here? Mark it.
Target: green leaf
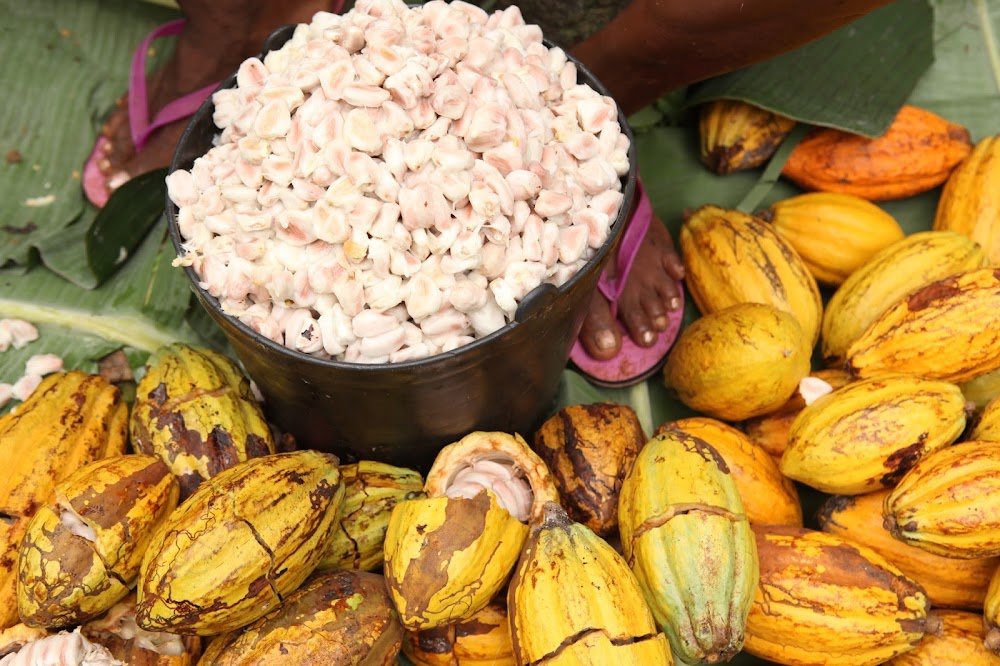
(67, 62)
(124, 222)
(963, 85)
(854, 79)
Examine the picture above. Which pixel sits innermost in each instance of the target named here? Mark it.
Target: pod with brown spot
(81, 553)
(949, 503)
(770, 431)
(129, 643)
(768, 496)
(341, 617)
(243, 541)
(483, 638)
(736, 136)
(866, 435)
(948, 330)
(500, 462)
(589, 450)
(686, 536)
(826, 601)
(959, 642)
(948, 582)
(194, 409)
(446, 557)
(371, 490)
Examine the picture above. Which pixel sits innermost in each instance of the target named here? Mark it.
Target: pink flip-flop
(95, 183)
(633, 363)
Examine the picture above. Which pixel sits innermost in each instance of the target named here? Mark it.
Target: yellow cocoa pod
(371, 490)
(768, 496)
(987, 424)
(589, 449)
(244, 539)
(194, 409)
(834, 233)
(826, 601)
(739, 362)
(497, 461)
(770, 431)
(891, 274)
(481, 640)
(982, 389)
(340, 617)
(959, 642)
(947, 581)
(81, 553)
(573, 601)
(686, 537)
(949, 503)
(915, 154)
(946, 330)
(446, 557)
(991, 613)
(731, 257)
(866, 435)
(971, 198)
(736, 136)
(11, 532)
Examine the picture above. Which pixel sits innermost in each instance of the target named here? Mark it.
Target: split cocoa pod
(739, 362)
(686, 537)
(768, 496)
(130, 644)
(916, 153)
(866, 435)
(335, 619)
(243, 540)
(969, 203)
(826, 600)
(948, 582)
(736, 136)
(483, 638)
(71, 419)
(573, 600)
(447, 555)
(194, 409)
(949, 503)
(371, 490)
(81, 553)
(589, 449)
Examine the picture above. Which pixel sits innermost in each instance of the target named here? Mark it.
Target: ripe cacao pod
(970, 200)
(823, 600)
(731, 257)
(891, 274)
(949, 503)
(593, 608)
(918, 334)
(982, 389)
(194, 409)
(248, 536)
(987, 424)
(481, 640)
(915, 154)
(589, 449)
(959, 642)
(948, 582)
(991, 613)
(686, 537)
(736, 136)
(834, 233)
(739, 362)
(866, 435)
(770, 431)
(768, 496)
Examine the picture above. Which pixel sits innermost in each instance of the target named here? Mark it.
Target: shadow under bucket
(404, 413)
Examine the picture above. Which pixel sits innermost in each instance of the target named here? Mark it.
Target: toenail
(647, 337)
(660, 323)
(675, 303)
(605, 340)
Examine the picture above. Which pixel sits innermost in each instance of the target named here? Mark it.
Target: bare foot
(218, 36)
(650, 293)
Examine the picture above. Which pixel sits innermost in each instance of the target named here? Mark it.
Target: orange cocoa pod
(917, 153)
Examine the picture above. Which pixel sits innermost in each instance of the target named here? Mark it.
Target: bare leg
(218, 36)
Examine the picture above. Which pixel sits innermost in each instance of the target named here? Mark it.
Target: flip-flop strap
(635, 232)
(138, 101)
